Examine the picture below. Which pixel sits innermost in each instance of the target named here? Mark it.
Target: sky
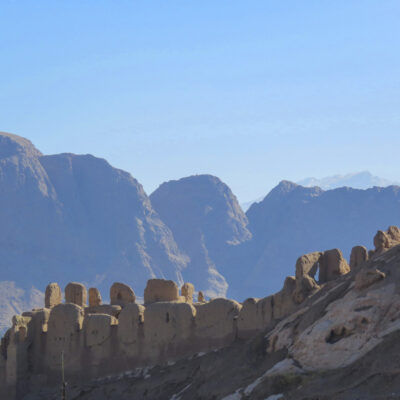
(250, 91)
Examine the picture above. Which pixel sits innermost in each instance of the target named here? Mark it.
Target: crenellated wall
(98, 339)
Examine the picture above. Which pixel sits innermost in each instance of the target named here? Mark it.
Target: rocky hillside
(342, 342)
(207, 222)
(67, 217)
(293, 219)
(73, 217)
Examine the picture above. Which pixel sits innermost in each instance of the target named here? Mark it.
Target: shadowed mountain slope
(293, 220)
(206, 221)
(68, 217)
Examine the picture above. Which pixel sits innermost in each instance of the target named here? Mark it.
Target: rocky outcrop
(358, 256)
(293, 220)
(306, 269)
(67, 216)
(207, 222)
(331, 325)
(367, 277)
(385, 240)
(332, 265)
(347, 326)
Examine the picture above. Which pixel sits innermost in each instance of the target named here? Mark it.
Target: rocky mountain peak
(206, 219)
(11, 145)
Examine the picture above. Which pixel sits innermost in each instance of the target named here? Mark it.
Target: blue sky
(250, 91)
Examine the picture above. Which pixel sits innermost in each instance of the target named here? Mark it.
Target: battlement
(98, 338)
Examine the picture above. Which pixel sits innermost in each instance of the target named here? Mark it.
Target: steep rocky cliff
(67, 217)
(293, 219)
(207, 222)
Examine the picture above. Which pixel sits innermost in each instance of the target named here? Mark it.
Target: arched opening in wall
(167, 318)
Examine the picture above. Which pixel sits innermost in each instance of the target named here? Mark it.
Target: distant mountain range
(76, 218)
(73, 217)
(356, 180)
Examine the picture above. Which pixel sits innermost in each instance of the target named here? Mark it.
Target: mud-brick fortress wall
(98, 339)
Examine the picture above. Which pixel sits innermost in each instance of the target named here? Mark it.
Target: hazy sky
(250, 91)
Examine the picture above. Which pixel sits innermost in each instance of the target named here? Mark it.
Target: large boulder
(305, 286)
(332, 264)
(381, 242)
(359, 254)
(306, 269)
(308, 264)
(394, 235)
(385, 240)
(121, 294)
(160, 290)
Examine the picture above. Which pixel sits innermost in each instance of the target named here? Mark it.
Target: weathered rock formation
(358, 256)
(332, 265)
(207, 222)
(308, 326)
(292, 220)
(385, 240)
(66, 217)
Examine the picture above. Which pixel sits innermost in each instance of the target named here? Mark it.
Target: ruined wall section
(98, 339)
